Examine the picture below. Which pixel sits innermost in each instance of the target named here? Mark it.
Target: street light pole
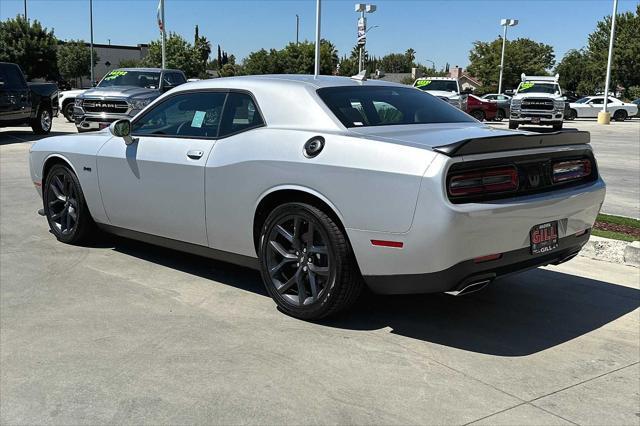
(25, 10)
(297, 28)
(91, 44)
(603, 116)
(505, 23)
(362, 30)
(317, 64)
(164, 35)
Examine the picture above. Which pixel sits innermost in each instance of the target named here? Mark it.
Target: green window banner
(115, 74)
(422, 83)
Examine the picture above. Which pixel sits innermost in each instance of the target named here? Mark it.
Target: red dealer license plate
(544, 237)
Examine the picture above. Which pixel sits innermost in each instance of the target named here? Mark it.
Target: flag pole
(164, 37)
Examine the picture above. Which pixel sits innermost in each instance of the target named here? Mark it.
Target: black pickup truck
(33, 104)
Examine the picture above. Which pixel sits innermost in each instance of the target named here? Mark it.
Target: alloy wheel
(298, 260)
(62, 201)
(45, 120)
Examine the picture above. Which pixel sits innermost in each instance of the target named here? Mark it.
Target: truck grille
(540, 104)
(98, 105)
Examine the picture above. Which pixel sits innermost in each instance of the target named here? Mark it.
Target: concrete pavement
(123, 332)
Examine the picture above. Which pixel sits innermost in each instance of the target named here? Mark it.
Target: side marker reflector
(487, 258)
(384, 243)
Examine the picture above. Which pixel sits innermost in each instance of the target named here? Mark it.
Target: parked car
(503, 102)
(538, 100)
(22, 103)
(481, 109)
(637, 103)
(316, 183)
(122, 93)
(66, 101)
(590, 106)
(445, 88)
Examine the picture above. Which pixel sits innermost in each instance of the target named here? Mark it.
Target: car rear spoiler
(513, 142)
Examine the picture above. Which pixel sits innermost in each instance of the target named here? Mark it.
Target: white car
(590, 106)
(66, 100)
(325, 184)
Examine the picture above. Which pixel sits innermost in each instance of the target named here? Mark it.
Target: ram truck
(445, 88)
(122, 93)
(538, 100)
(22, 103)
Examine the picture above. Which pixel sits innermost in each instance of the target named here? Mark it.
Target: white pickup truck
(537, 100)
(445, 88)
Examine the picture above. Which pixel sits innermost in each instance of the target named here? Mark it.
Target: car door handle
(195, 154)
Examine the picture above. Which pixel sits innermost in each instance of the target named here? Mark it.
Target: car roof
(288, 80)
(146, 69)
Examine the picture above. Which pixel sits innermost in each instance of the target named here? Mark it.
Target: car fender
(300, 188)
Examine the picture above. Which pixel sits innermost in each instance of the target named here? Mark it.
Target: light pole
(91, 45)
(603, 116)
(362, 29)
(317, 64)
(297, 28)
(433, 63)
(25, 10)
(505, 23)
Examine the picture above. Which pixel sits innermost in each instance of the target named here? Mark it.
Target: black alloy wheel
(620, 115)
(67, 111)
(64, 206)
(306, 262)
(500, 115)
(478, 114)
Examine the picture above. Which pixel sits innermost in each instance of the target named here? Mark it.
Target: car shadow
(517, 316)
(12, 136)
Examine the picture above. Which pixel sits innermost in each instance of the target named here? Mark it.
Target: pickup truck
(122, 93)
(445, 88)
(538, 100)
(33, 104)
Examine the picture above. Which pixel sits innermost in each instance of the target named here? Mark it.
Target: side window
(240, 113)
(174, 79)
(13, 78)
(597, 101)
(188, 115)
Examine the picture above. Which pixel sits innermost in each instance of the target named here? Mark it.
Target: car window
(173, 78)
(12, 77)
(195, 114)
(598, 101)
(611, 100)
(361, 106)
(240, 113)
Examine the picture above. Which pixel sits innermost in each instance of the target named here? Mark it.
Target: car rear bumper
(466, 273)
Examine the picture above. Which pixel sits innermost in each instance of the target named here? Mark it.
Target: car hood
(536, 95)
(120, 92)
(430, 135)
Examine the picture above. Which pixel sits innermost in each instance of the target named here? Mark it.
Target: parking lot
(124, 332)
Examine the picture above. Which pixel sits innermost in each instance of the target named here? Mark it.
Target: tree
(29, 45)
(180, 55)
(522, 55)
(573, 70)
(74, 59)
(201, 50)
(626, 52)
(292, 59)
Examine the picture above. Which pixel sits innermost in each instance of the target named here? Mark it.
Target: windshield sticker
(115, 74)
(422, 83)
(527, 85)
(198, 118)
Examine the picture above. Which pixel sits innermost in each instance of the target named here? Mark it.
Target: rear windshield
(363, 106)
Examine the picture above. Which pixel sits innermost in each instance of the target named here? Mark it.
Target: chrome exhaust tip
(470, 288)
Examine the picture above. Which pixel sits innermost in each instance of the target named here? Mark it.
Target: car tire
(513, 125)
(571, 115)
(307, 263)
(67, 111)
(43, 122)
(478, 114)
(63, 199)
(500, 115)
(557, 126)
(620, 115)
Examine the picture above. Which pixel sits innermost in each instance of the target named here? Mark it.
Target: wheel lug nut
(297, 264)
(304, 269)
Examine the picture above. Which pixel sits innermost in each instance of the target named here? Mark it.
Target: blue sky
(441, 31)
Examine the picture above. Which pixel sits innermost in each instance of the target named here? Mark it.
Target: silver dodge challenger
(326, 185)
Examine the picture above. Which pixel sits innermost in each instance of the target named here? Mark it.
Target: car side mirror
(508, 92)
(122, 129)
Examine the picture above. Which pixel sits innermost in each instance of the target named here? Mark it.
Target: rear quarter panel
(371, 185)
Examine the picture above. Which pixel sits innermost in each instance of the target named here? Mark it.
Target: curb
(614, 251)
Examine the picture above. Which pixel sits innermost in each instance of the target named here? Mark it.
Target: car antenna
(361, 76)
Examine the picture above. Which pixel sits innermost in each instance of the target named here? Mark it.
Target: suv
(122, 93)
(537, 100)
(33, 104)
(445, 88)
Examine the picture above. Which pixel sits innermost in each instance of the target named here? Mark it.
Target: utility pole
(604, 117)
(317, 64)
(91, 44)
(297, 28)
(505, 23)
(25, 10)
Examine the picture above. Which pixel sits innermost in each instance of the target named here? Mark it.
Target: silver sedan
(326, 185)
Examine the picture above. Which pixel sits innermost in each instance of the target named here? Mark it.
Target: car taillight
(571, 170)
(478, 182)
